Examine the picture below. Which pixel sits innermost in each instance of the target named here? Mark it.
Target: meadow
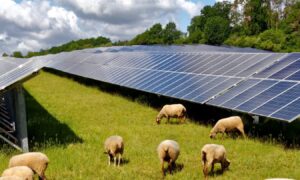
(70, 121)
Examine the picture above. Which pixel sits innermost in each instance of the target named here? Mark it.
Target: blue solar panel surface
(246, 80)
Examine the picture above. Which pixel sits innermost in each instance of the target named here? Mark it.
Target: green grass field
(70, 121)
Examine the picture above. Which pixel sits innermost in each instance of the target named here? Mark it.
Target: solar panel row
(13, 70)
(260, 83)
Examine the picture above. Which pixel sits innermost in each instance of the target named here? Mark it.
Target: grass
(69, 122)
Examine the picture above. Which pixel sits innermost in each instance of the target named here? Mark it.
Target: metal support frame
(20, 117)
(13, 122)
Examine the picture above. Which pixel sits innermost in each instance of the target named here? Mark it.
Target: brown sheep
(168, 150)
(114, 146)
(211, 154)
(170, 111)
(20, 171)
(227, 125)
(37, 161)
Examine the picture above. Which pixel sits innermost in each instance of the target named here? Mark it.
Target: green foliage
(17, 54)
(170, 34)
(273, 40)
(195, 37)
(70, 46)
(216, 30)
(157, 35)
(199, 30)
(291, 22)
(257, 16)
(4, 55)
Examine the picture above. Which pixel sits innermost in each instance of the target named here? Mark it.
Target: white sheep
(11, 178)
(114, 146)
(172, 110)
(37, 161)
(168, 150)
(211, 154)
(20, 171)
(227, 125)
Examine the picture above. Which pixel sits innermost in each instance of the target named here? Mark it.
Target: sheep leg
(241, 129)
(42, 177)
(223, 135)
(168, 120)
(170, 166)
(119, 160)
(205, 170)
(115, 160)
(162, 168)
(212, 167)
(108, 159)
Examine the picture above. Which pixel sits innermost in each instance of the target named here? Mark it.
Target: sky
(31, 25)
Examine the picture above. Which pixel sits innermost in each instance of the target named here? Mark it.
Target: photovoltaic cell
(280, 101)
(248, 94)
(234, 91)
(289, 112)
(266, 95)
(287, 71)
(277, 66)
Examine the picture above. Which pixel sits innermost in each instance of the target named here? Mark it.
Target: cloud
(31, 25)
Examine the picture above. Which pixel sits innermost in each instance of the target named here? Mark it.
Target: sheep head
(157, 120)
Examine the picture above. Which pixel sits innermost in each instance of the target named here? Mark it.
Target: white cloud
(31, 25)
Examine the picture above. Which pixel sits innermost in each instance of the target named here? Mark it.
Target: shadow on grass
(268, 130)
(44, 130)
(177, 168)
(217, 172)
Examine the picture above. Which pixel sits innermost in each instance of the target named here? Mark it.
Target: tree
(170, 33)
(4, 55)
(198, 23)
(256, 16)
(291, 21)
(17, 54)
(216, 30)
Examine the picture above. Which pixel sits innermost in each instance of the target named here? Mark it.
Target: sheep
(227, 125)
(114, 146)
(211, 154)
(37, 161)
(20, 171)
(172, 110)
(11, 178)
(168, 150)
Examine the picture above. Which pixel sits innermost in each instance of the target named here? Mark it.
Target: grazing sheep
(114, 146)
(168, 150)
(171, 110)
(37, 161)
(20, 171)
(11, 178)
(227, 125)
(211, 154)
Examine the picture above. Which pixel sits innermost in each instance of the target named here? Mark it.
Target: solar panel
(225, 77)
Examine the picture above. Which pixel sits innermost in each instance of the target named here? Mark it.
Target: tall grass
(69, 122)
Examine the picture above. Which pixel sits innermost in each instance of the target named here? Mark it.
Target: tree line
(264, 24)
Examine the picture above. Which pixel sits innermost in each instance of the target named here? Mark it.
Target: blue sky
(31, 25)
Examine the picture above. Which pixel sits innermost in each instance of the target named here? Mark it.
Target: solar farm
(68, 118)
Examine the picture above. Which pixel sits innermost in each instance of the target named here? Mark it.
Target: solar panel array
(261, 83)
(242, 79)
(273, 92)
(13, 70)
